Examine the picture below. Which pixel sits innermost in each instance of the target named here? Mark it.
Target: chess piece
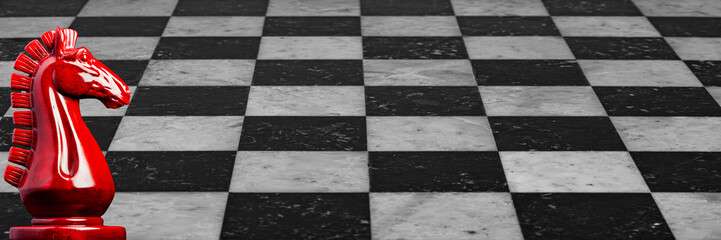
(64, 181)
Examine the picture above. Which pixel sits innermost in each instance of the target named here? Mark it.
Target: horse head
(83, 76)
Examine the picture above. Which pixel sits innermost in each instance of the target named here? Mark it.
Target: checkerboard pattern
(399, 119)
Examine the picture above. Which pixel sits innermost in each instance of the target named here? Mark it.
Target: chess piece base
(68, 232)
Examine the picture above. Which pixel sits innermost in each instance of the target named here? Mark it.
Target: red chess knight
(62, 175)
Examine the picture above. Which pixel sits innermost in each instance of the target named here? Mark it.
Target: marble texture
(6, 69)
(4, 187)
(628, 48)
(214, 26)
(288, 171)
(414, 48)
(572, 172)
(680, 171)
(423, 101)
(675, 8)
(187, 133)
(31, 27)
(306, 101)
(189, 101)
(528, 73)
(310, 48)
(119, 48)
(696, 48)
(691, 216)
(669, 133)
(168, 215)
(417, 72)
(307, 133)
(217, 72)
(207, 48)
(429, 134)
(128, 8)
(715, 93)
(410, 26)
(605, 26)
(517, 48)
(499, 8)
(308, 73)
(313, 8)
(658, 101)
(661, 73)
(555, 133)
(541, 101)
(443, 216)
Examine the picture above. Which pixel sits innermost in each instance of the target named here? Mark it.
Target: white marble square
(715, 93)
(430, 134)
(499, 8)
(300, 172)
(696, 48)
(517, 48)
(677, 8)
(669, 133)
(605, 27)
(657, 73)
(6, 69)
(119, 48)
(4, 186)
(311, 48)
(31, 27)
(455, 216)
(541, 101)
(572, 172)
(128, 8)
(691, 216)
(418, 72)
(187, 72)
(231, 26)
(170, 133)
(412, 26)
(168, 215)
(313, 8)
(306, 101)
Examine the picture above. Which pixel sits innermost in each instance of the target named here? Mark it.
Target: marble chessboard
(398, 119)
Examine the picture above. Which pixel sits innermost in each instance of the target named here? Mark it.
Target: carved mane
(24, 119)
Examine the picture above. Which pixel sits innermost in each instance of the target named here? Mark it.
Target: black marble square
(30, 8)
(555, 134)
(297, 216)
(171, 170)
(423, 101)
(221, 8)
(119, 26)
(189, 101)
(303, 134)
(528, 73)
(6, 134)
(507, 26)
(687, 26)
(680, 171)
(590, 216)
(13, 213)
(414, 48)
(406, 7)
(591, 8)
(131, 71)
(620, 48)
(436, 172)
(308, 72)
(312, 26)
(207, 48)
(657, 101)
(5, 98)
(708, 72)
(10, 48)
(103, 129)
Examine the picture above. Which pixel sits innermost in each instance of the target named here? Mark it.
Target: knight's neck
(61, 133)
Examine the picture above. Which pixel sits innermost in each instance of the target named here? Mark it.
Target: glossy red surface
(65, 183)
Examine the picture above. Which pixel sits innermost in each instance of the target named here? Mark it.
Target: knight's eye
(83, 58)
